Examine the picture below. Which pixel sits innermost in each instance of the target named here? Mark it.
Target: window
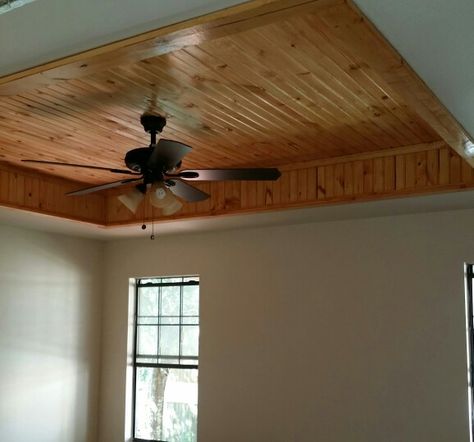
(470, 340)
(166, 359)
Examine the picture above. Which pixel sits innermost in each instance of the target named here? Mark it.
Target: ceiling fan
(156, 169)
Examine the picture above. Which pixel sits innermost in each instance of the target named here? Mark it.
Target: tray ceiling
(308, 86)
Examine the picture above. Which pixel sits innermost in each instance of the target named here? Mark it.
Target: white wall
(336, 331)
(50, 305)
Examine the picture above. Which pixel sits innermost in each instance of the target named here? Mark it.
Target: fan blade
(83, 166)
(167, 153)
(268, 174)
(105, 186)
(187, 192)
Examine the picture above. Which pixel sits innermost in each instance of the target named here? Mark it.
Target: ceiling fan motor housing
(136, 159)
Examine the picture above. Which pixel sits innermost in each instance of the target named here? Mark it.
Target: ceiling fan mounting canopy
(153, 123)
(160, 163)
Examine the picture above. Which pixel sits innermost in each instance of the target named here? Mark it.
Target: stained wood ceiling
(271, 85)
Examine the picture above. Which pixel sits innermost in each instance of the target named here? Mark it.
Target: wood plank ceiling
(281, 87)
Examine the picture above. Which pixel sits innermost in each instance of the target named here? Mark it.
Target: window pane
(168, 360)
(148, 320)
(170, 320)
(191, 300)
(189, 340)
(166, 404)
(168, 280)
(190, 320)
(147, 340)
(148, 301)
(169, 340)
(145, 360)
(170, 301)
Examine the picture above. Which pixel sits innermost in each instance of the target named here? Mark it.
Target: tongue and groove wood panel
(281, 92)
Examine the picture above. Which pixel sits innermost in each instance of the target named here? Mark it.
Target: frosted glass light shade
(132, 199)
(161, 196)
(172, 208)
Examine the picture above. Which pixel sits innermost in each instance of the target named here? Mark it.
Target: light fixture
(132, 199)
(162, 198)
(172, 208)
(469, 148)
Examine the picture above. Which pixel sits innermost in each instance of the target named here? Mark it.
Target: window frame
(469, 281)
(135, 364)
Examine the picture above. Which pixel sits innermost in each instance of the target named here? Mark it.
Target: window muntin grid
(175, 365)
(167, 322)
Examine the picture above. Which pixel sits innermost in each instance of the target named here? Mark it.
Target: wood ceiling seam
(72, 136)
(167, 129)
(324, 97)
(279, 101)
(74, 115)
(234, 85)
(78, 115)
(290, 60)
(202, 90)
(324, 119)
(356, 74)
(222, 131)
(235, 81)
(400, 150)
(222, 127)
(347, 116)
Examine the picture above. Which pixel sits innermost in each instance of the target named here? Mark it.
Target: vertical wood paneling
(339, 180)
(368, 176)
(389, 174)
(454, 168)
(34, 192)
(432, 167)
(303, 185)
(329, 180)
(348, 179)
(400, 178)
(386, 175)
(421, 171)
(358, 177)
(444, 166)
(321, 183)
(378, 175)
(410, 170)
(312, 181)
